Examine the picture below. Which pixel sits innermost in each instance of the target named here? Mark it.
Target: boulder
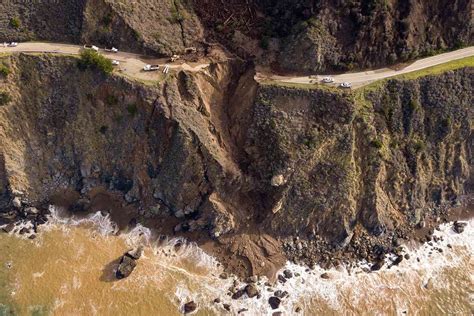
(135, 253)
(238, 294)
(274, 302)
(277, 180)
(377, 265)
(325, 275)
(458, 227)
(189, 307)
(251, 290)
(125, 267)
(16, 202)
(31, 210)
(288, 274)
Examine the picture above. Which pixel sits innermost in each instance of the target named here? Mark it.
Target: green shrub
(132, 109)
(418, 145)
(107, 19)
(93, 60)
(4, 71)
(4, 98)
(414, 105)
(176, 16)
(377, 143)
(15, 22)
(111, 99)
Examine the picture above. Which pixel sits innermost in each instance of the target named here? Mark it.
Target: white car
(115, 62)
(111, 50)
(10, 44)
(345, 84)
(151, 67)
(93, 47)
(328, 79)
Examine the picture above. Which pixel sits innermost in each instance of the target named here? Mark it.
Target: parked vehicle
(345, 85)
(10, 44)
(151, 67)
(111, 50)
(115, 62)
(93, 47)
(174, 58)
(328, 79)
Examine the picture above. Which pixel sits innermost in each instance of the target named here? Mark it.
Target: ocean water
(68, 270)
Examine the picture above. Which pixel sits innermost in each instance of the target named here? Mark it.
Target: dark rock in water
(297, 309)
(277, 314)
(189, 307)
(279, 293)
(377, 265)
(135, 253)
(251, 290)
(407, 256)
(226, 307)
(223, 275)
(458, 227)
(397, 260)
(288, 274)
(217, 300)
(32, 237)
(242, 310)
(125, 267)
(238, 294)
(325, 275)
(24, 230)
(274, 302)
(8, 228)
(281, 278)
(252, 279)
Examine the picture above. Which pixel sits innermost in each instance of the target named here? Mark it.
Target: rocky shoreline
(386, 250)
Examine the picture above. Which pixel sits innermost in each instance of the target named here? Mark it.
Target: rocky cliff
(285, 35)
(153, 26)
(217, 156)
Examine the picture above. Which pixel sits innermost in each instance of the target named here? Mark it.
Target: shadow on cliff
(108, 272)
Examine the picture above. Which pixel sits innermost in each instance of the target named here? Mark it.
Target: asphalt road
(132, 64)
(359, 79)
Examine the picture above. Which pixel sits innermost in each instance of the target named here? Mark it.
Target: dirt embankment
(241, 168)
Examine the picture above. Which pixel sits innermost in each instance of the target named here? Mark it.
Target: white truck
(328, 80)
(151, 67)
(111, 50)
(10, 44)
(115, 62)
(92, 47)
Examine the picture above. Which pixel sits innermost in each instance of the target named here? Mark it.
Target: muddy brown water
(68, 270)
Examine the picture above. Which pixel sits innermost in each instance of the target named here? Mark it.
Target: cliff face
(151, 26)
(383, 158)
(287, 35)
(214, 151)
(325, 35)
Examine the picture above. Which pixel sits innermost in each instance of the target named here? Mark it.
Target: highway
(132, 64)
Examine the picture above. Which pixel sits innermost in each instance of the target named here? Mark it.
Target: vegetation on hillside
(93, 60)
